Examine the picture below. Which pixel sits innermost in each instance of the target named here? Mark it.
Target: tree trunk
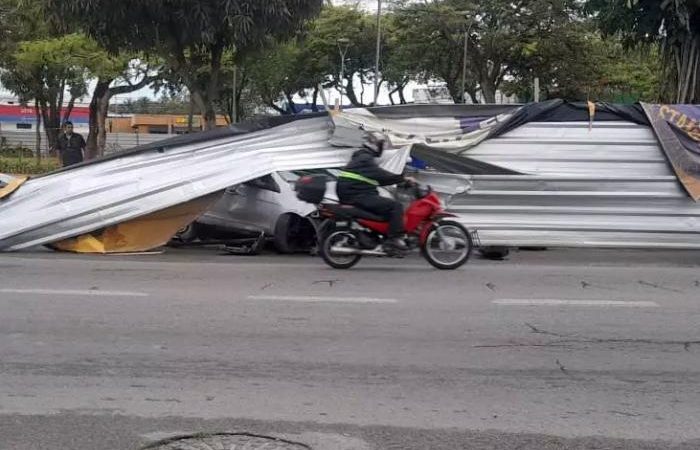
(402, 97)
(101, 91)
(37, 114)
(391, 96)
(209, 116)
(290, 102)
(102, 113)
(453, 90)
(52, 121)
(190, 115)
(314, 100)
(212, 93)
(282, 111)
(205, 107)
(488, 89)
(350, 92)
(69, 109)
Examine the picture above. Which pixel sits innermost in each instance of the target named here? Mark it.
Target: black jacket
(71, 150)
(364, 164)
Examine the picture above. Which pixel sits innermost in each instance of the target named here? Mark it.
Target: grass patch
(27, 166)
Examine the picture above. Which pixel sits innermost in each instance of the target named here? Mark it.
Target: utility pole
(234, 106)
(379, 45)
(343, 44)
(464, 67)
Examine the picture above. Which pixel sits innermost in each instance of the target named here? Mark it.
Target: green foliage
(191, 37)
(26, 166)
(669, 26)
(15, 152)
(503, 38)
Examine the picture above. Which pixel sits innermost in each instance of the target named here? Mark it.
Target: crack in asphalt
(330, 283)
(583, 339)
(658, 286)
(565, 341)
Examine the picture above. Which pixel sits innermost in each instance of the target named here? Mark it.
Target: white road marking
(87, 292)
(553, 302)
(311, 299)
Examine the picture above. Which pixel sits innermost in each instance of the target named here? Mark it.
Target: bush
(16, 152)
(22, 166)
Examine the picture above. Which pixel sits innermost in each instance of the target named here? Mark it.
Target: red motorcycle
(347, 233)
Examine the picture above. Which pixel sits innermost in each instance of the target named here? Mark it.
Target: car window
(267, 182)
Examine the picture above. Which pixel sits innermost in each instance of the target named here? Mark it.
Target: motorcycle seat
(352, 212)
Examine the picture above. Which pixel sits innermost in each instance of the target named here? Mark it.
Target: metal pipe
(356, 251)
(343, 45)
(379, 45)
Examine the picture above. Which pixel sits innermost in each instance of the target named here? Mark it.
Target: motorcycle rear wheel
(335, 238)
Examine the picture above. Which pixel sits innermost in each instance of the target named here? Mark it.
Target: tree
(321, 55)
(45, 70)
(115, 75)
(499, 31)
(275, 74)
(41, 64)
(399, 66)
(673, 26)
(190, 37)
(577, 64)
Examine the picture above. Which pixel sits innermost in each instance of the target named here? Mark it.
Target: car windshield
(294, 175)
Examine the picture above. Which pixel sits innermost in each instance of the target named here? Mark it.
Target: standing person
(71, 146)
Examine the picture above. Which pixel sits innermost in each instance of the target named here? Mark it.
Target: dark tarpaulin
(458, 111)
(450, 163)
(678, 129)
(562, 111)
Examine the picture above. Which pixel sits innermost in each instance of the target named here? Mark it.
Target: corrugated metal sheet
(609, 186)
(616, 149)
(646, 212)
(86, 198)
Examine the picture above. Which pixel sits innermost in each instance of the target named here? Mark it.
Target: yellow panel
(12, 186)
(140, 234)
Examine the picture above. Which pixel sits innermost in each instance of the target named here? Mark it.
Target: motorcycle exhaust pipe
(357, 251)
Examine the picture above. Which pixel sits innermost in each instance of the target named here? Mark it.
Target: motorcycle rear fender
(434, 220)
(442, 215)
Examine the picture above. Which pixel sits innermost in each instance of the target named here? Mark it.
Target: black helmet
(375, 142)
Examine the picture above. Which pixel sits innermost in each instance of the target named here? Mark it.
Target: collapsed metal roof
(606, 175)
(99, 194)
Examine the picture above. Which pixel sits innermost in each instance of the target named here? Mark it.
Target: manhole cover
(226, 441)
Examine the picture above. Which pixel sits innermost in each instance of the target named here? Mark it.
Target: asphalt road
(563, 349)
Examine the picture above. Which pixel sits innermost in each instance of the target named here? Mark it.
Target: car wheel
(293, 233)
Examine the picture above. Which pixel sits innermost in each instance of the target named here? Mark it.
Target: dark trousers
(390, 210)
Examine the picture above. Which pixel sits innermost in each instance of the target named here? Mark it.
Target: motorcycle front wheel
(339, 238)
(448, 245)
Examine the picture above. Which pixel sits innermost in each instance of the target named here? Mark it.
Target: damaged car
(266, 205)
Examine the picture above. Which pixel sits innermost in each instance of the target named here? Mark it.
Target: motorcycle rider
(357, 186)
